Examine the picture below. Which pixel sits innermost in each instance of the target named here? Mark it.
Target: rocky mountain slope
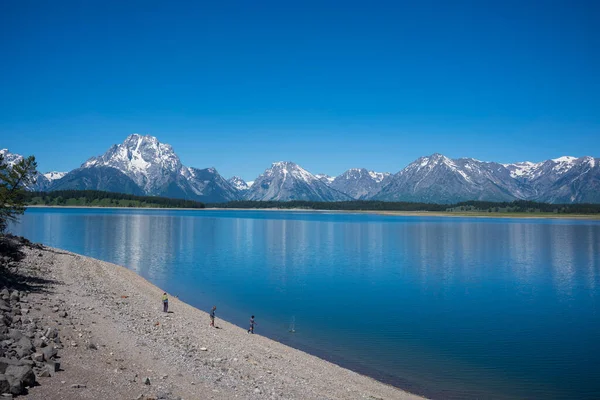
(359, 183)
(288, 181)
(142, 165)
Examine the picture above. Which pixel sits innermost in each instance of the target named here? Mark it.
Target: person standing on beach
(165, 300)
(252, 322)
(212, 316)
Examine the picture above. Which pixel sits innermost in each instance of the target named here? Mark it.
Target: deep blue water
(447, 307)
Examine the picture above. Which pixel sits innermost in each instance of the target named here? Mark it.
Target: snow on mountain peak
(563, 159)
(238, 183)
(142, 158)
(53, 175)
(325, 178)
(379, 176)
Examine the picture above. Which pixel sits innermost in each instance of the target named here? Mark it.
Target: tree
(13, 181)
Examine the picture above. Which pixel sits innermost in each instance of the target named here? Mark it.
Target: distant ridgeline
(519, 206)
(96, 198)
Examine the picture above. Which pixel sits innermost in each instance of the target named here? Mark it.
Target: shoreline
(590, 217)
(117, 310)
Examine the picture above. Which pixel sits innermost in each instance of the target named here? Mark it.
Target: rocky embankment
(73, 327)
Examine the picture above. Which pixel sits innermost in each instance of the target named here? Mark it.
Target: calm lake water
(446, 307)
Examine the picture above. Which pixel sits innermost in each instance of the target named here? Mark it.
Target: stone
(78, 386)
(62, 314)
(203, 349)
(39, 357)
(52, 366)
(147, 381)
(49, 352)
(23, 373)
(14, 296)
(15, 334)
(4, 384)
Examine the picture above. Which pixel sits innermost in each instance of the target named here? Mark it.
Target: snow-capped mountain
(238, 183)
(325, 178)
(53, 175)
(288, 181)
(442, 180)
(41, 182)
(151, 166)
(360, 183)
(143, 165)
(561, 180)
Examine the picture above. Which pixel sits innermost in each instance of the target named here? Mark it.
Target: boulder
(53, 366)
(4, 384)
(49, 352)
(24, 373)
(7, 362)
(15, 334)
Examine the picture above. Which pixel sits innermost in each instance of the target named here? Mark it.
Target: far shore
(462, 214)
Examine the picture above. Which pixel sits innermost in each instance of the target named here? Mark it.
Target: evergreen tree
(13, 180)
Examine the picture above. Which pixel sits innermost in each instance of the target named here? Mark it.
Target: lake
(445, 307)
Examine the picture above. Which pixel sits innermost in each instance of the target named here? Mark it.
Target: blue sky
(329, 85)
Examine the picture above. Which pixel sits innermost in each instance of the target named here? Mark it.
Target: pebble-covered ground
(111, 340)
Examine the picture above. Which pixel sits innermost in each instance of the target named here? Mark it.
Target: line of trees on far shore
(97, 198)
(518, 206)
(110, 199)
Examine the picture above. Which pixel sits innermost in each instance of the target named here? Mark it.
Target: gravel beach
(115, 342)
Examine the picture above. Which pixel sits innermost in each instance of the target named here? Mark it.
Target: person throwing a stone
(212, 316)
(165, 301)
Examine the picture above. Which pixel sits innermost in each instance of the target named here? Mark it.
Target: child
(212, 316)
(252, 322)
(165, 300)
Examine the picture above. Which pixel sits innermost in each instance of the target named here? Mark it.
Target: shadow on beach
(12, 275)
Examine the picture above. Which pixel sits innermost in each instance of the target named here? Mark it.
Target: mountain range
(142, 165)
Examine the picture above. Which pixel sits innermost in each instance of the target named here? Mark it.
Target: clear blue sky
(329, 85)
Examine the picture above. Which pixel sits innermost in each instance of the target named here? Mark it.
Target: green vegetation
(13, 181)
(518, 206)
(96, 198)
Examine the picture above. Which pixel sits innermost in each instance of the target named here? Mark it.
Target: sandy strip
(461, 214)
(120, 313)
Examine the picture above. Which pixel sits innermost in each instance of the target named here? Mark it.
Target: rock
(203, 349)
(23, 373)
(147, 381)
(15, 334)
(52, 366)
(24, 310)
(92, 346)
(15, 385)
(62, 314)
(44, 373)
(257, 391)
(14, 296)
(39, 343)
(74, 344)
(4, 384)
(39, 357)
(55, 309)
(78, 386)
(49, 352)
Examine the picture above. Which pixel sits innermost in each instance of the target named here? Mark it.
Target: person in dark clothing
(212, 316)
(252, 323)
